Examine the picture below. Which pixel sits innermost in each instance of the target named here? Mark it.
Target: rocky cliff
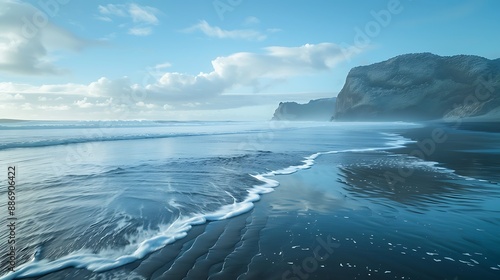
(316, 110)
(421, 87)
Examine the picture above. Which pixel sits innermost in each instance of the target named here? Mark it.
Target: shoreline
(342, 201)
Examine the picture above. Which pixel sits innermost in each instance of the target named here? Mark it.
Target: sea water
(99, 195)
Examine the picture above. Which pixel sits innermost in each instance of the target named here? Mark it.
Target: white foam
(398, 141)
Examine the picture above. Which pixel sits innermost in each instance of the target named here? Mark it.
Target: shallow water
(123, 197)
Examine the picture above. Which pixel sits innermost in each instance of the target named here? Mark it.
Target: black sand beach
(434, 218)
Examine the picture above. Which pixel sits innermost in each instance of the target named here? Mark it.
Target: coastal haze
(243, 140)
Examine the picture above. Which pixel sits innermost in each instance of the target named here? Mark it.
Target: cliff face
(316, 110)
(421, 87)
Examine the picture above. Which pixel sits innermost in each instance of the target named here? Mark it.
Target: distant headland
(415, 87)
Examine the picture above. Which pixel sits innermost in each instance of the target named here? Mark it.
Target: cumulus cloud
(253, 69)
(112, 88)
(83, 103)
(26, 44)
(217, 32)
(143, 17)
(171, 91)
(145, 105)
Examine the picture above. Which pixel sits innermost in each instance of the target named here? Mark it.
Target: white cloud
(143, 14)
(148, 106)
(106, 103)
(26, 107)
(60, 89)
(111, 9)
(217, 32)
(174, 91)
(103, 18)
(251, 20)
(112, 88)
(83, 103)
(10, 97)
(25, 45)
(140, 31)
(86, 103)
(162, 65)
(54, 108)
(167, 107)
(143, 17)
(253, 70)
(192, 104)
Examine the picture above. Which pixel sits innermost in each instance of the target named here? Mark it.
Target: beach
(362, 208)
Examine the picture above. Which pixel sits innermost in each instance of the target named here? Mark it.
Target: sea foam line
(179, 228)
(91, 139)
(400, 141)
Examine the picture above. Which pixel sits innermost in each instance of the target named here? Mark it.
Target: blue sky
(213, 59)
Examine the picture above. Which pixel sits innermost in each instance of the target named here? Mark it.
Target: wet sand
(342, 219)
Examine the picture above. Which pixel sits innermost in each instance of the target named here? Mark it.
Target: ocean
(249, 200)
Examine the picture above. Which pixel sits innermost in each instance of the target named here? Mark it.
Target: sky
(213, 59)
